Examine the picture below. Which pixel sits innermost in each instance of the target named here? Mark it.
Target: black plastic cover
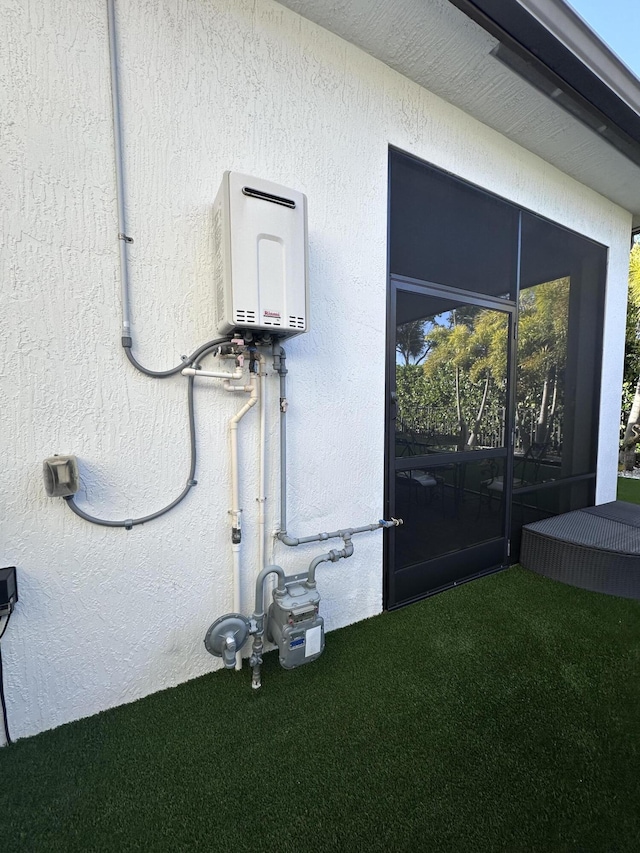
(8, 587)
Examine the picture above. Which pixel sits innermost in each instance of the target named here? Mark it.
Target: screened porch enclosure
(494, 359)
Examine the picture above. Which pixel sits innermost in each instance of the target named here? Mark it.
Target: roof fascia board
(522, 31)
(576, 34)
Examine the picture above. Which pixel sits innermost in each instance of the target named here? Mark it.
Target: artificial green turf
(629, 490)
(499, 716)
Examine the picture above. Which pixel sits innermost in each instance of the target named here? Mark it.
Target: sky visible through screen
(617, 22)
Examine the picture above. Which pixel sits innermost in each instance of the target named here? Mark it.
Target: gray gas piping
(330, 557)
(255, 661)
(280, 366)
(293, 621)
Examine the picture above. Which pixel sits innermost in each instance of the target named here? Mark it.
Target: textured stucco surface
(107, 616)
(439, 47)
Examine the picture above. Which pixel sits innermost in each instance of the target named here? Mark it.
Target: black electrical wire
(128, 523)
(162, 374)
(3, 703)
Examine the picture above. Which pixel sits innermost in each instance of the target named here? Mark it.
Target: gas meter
(294, 625)
(292, 621)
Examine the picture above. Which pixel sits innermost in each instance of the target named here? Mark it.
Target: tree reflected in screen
(542, 359)
(451, 379)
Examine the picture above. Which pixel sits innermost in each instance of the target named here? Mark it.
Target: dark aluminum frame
(399, 282)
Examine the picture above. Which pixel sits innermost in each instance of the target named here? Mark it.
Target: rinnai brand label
(274, 314)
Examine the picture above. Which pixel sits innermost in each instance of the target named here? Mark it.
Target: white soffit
(436, 45)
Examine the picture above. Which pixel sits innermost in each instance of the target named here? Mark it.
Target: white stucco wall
(107, 616)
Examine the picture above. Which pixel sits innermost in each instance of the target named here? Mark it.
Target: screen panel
(559, 353)
(445, 231)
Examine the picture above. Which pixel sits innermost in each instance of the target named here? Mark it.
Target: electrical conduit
(124, 240)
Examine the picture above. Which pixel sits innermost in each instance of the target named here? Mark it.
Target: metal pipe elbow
(268, 570)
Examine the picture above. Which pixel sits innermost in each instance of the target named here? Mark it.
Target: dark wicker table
(596, 548)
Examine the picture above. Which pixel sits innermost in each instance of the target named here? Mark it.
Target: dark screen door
(449, 436)
(472, 453)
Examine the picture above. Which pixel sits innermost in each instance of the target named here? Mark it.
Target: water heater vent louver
(273, 321)
(245, 316)
(276, 199)
(296, 322)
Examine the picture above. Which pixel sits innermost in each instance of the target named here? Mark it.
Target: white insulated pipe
(233, 434)
(229, 387)
(262, 466)
(252, 388)
(235, 556)
(215, 374)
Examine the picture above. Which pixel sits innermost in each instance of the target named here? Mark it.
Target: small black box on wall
(8, 587)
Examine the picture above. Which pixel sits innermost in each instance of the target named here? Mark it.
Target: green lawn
(629, 490)
(500, 716)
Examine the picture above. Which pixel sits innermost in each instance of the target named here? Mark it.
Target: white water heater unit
(261, 257)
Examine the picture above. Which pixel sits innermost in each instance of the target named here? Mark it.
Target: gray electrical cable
(131, 522)
(124, 241)
(161, 374)
(128, 523)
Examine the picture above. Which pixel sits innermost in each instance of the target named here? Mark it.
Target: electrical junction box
(260, 234)
(294, 624)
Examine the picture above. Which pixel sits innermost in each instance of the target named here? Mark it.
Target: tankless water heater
(261, 257)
